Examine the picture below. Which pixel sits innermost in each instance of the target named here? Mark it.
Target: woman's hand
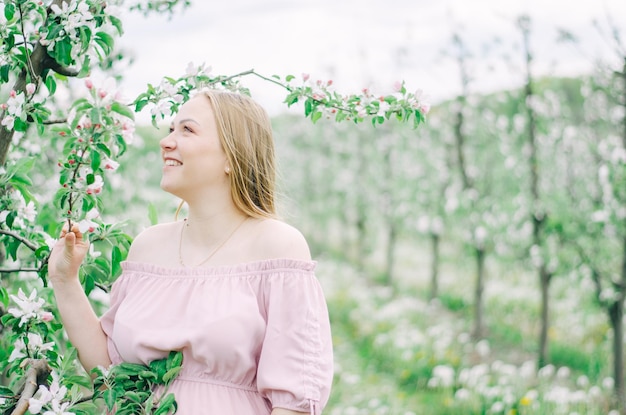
(67, 255)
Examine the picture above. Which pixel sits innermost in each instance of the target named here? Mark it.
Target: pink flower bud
(30, 88)
(89, 83)
(329, 83)
(12, 94)
(47, 316)
(305, 77)
(424, 108)
(71, 161)
(3, 106)
(102, 93)
(397, 86)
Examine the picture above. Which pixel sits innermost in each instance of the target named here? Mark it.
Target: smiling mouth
(170, 162)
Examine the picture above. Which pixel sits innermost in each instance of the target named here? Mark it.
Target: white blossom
(28, 308)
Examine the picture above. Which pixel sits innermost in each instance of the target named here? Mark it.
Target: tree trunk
(392, 238)
(435, 240)
(479, 289)
(616, 317)
(544, 283)
(538, 215)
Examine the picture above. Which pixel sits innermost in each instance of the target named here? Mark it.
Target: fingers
(75, 232)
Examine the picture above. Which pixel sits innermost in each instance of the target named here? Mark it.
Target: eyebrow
(184, 120)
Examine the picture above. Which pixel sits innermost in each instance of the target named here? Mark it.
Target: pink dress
(254, 336)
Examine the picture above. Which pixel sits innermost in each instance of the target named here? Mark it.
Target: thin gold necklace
(180, 243)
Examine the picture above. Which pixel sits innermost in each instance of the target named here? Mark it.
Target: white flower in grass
(563, 372)
(444, 375)
(462, 394)
(546, 371)
(497, 407)
(608, 383)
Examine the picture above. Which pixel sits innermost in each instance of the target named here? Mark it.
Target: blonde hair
(245, 133)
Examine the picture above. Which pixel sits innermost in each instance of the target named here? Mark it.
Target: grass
(389, 375)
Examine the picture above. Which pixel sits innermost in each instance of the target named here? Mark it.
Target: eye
(187, 129)
(171, 130)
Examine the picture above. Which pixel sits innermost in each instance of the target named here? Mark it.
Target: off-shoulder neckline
(251, 267)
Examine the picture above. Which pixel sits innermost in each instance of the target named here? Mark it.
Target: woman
(231, 286)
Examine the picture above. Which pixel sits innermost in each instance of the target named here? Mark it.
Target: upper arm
(280, 240)
(144, 243)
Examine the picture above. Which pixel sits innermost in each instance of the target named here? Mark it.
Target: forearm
(81, 324)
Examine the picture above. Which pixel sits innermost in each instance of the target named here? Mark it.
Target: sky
(367, 43)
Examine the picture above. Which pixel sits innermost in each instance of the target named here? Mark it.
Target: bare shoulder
(278, 239)
(152, 240)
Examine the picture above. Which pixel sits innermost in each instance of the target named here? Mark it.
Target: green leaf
(109, 398)
(116, 259)
(105, 41)
(289, 78)
(63, 51)
(166, 404)
(117, 23)
(122, 110)
(171, 374)
(140, 104)
(9, 11)
(153, 215)
(316, 116)
(4, 299)
(4, 73)
(96, 160)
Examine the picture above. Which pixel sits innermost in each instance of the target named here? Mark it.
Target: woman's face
(193, 158)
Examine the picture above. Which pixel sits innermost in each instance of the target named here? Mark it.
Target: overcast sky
(360, 43)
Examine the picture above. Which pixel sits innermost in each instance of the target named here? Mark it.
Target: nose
(168, 142)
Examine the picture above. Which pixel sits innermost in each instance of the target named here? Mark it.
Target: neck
(207, 224)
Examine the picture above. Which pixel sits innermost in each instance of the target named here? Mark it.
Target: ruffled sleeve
(295, 368)
(118, 292)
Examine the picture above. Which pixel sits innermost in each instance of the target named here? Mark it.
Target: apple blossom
(50, 397)
(382, 108)
(28, 308)
(88, 224)
(8, 121)
(28, 211)
(30, 88)
(96, 186)
(109, 164)
(35, 347)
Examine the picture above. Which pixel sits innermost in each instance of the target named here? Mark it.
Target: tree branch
(36, 375)
(9, 270)
(55, 121)
(60, 69)
(20, 238)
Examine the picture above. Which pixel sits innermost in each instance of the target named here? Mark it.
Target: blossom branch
(9, 270)
(36, 375)
(20, 238)
(55, 121)
(60, 69)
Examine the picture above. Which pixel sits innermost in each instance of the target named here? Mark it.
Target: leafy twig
(20, 238)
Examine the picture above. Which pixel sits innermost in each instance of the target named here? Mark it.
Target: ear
(227, 169)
